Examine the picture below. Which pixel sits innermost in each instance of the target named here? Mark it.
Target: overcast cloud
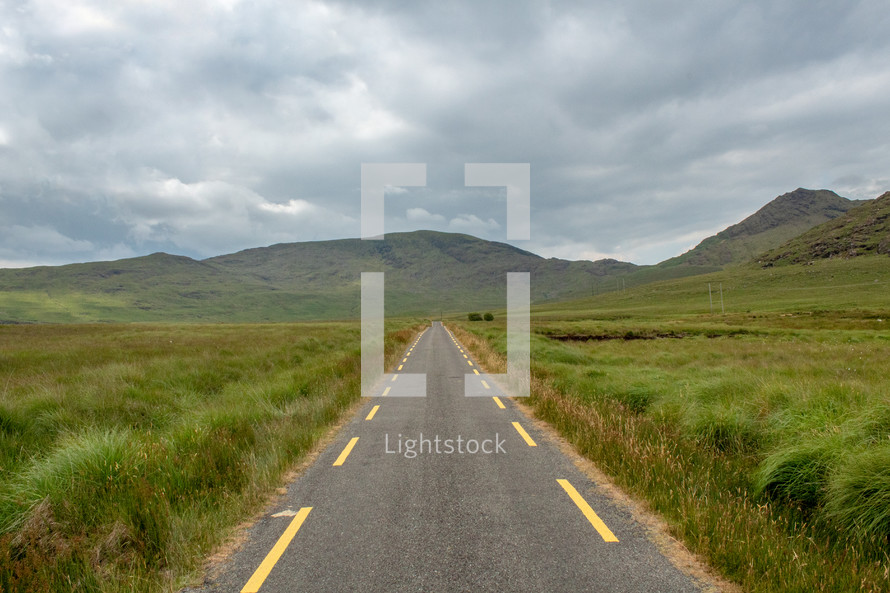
(205, 127)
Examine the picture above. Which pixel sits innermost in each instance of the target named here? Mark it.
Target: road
(504, 510)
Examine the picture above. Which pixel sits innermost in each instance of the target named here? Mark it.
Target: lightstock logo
(376, 177)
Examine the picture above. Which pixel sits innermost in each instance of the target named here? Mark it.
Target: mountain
(782, 219)
(426, 273)
(860, 231)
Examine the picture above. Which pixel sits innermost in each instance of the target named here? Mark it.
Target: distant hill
(426, 273)
(860, 231)
(782, 219)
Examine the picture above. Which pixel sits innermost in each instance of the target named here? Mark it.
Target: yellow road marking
(346, 451)
(409, 354)
(386, 391)
(475, 371)
(394, 377)
(484, 384)
(500, 404)
(404, 360)
(400, 367)
(373, 411)
(524, 435)
(597, 523)
(469, 363)
(259, 576)
(465, 356)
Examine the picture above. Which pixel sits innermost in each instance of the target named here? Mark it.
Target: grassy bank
(128, 452)
(761, 436)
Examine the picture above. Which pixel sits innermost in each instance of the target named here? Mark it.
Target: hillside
(784, 218)
(426, 273)
(860, 231)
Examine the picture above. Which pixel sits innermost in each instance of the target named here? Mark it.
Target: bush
(488, 317)
(474, 316)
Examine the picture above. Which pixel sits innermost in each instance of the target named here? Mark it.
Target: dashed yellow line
(465, 356)
(259, 576)
(475, 371)
(486, 385)
(394, 377)
(500, 404)
(404, 360)
(524, 435)
(346, 451)
(386, 391)
(597, 523)
(400, 367)
(373, 411)
(470, 363)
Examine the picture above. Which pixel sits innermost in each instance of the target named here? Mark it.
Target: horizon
(135, 128)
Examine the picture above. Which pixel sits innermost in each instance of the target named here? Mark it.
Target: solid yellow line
(597, 523)
(373, 411)
(500, 404)
(469, 363)
(256, 581)
(386, 391)
(484, 384)
(524, 434)
(346, 451)
(475, 371)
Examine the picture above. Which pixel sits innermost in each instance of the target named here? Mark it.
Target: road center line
(259, 576)
(475, 371)
(500, 404)
(373, 411)
(469, 363)
(594, 519)
(346, 452)
(524, 435)
(486, 385)
(386, 391)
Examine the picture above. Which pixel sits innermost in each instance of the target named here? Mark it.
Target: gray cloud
(213, 126)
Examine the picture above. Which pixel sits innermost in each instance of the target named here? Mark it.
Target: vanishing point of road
(482, 502)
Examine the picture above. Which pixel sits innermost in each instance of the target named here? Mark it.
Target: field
(762, 436)
(129, 452)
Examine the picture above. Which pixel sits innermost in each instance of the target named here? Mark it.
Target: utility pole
(710, 300)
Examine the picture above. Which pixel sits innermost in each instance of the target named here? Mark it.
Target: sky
(209, 126)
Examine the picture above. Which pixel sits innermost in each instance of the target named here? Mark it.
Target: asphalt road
(501, 511)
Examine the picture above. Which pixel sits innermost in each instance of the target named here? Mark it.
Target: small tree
(488, 317)
(474, 316)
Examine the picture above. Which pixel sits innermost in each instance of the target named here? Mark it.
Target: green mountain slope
(862, 230)
(426, 273)
(782, 219)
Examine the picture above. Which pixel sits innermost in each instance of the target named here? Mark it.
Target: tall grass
(128, 452)
(766, 449)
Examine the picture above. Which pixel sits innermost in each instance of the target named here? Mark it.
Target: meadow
(762, 435)
(129, 452)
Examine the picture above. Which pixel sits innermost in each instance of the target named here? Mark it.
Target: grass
(761, 436)
(128, 452)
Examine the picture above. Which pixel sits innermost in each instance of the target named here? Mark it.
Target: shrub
(474, 316)
(488, 317)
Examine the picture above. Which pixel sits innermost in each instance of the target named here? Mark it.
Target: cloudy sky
(202, 127)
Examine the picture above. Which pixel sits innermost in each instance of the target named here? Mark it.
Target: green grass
(127, 452)
(761, 436)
